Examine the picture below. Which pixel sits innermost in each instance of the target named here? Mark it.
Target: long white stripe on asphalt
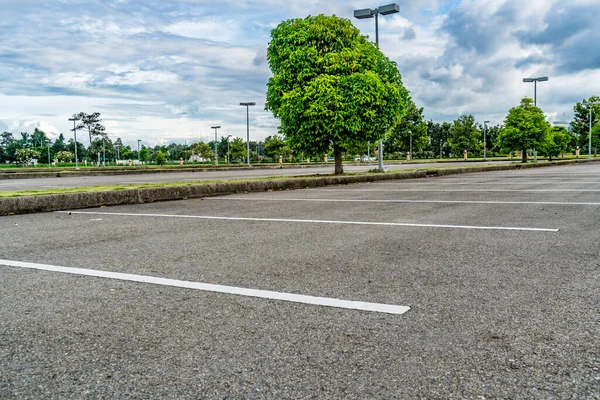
(459, 190)
(528, 182)
(315, 221)
(263, 294)
(560, 203)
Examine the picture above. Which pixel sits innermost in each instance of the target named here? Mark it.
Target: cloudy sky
(165, 71)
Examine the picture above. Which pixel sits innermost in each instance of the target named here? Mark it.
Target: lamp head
(389, 9)
(542, 79)
(528, 79)
(364, 13)
(216, 127)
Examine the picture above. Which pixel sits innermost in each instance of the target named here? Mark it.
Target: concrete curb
(71, 201)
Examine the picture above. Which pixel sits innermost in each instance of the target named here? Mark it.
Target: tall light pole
(591, 104)
(139, 140)
(535, 81)
(228, 136)
(370, 13)
(216, 154)
(485, 128)
(75, 118)
(410, 146)
(248, 128)
(103, 153)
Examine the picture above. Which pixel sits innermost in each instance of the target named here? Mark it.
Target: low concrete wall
(71, 201)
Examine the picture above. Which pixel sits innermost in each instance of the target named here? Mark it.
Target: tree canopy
(412, 125)
(331, 86)
(556, 142)
(581, 120)
(525, 127)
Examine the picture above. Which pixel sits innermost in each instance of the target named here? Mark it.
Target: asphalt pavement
(102, 180)
(499, 273)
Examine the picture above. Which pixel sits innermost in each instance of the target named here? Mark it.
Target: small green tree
(91, 122)
(65, 156)
(204, 150)
(556, 142)
(161, 158)
(24, 156)
(464, 135)
(525, 127)
(144, 153)
(331, 86)
(276, 146)
(237, 149)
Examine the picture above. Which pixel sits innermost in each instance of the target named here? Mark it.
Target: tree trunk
(337, 152)
(524, 155)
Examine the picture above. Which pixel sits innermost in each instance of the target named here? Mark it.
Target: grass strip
(105, 188)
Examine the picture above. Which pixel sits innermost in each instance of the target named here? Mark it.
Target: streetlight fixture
(485, 128)
(228, 161)
(248, 128)
(216, 154)
(75, 118)
(591, 104)
(535, 81)
(139, 140)
(370, 13)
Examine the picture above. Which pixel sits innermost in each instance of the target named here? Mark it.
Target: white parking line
(529, 182)
(313, 221)
(457, 190)
(560, 203)
(264, 294)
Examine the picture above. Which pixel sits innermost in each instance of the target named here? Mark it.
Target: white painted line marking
(459, 190)
(528, 182)
(263, 294)
(560, 203)
(58, 187)
(316, 221)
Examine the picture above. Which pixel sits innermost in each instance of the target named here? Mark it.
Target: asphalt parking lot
(479, 286)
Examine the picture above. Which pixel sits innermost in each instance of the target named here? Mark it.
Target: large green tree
(331, 87)
(464, 135)
(525, 128)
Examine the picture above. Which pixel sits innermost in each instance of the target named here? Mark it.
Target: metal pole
(485, 128)
(535, 92)
(380, 152)
(103, 154)
(48, 153)
(377, 28)
(484, 141)
(216, 153)
(74, 119)
(590, 142)
(410, 148)
(139, 140)
(248, 134)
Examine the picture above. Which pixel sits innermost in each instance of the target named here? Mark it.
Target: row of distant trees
(429, 140)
